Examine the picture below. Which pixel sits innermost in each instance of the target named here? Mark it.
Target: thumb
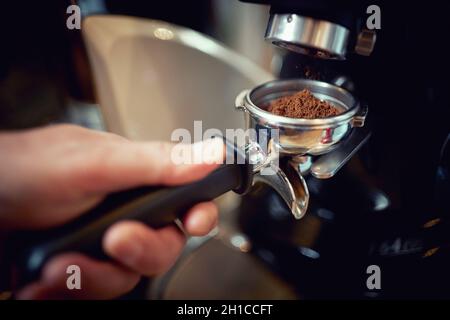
(73, 184)
(149, 163)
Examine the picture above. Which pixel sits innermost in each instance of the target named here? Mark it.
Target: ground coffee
(302, 104)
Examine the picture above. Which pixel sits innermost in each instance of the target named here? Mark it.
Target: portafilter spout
(282, 176)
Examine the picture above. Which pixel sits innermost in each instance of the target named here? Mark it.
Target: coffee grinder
(386, 208)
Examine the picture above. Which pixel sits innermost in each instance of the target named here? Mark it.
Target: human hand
(53, 174)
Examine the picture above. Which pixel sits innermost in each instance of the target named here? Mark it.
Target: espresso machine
(386, 203)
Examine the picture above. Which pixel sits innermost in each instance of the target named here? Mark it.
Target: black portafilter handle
(155, 206)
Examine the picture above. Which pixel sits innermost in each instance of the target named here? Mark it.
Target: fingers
(99, 280)
(142, 249)
(139, 249)
(148, 251)
(201, 219)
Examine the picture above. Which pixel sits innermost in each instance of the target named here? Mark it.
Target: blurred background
(45, 75)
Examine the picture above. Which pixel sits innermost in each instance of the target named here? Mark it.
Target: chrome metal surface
(298, 183)
(360, 118)
(328, 165)
(302, 163)
(277, 137)
(301, 136)
(366, 42)
(290, 186)
(257, 157)
(288, 182)
(344, 82)
(318, 38)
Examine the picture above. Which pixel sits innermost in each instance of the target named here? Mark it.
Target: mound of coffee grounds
(302, 104)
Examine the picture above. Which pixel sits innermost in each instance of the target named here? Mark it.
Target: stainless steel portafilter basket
(295, 141)
(302, 136)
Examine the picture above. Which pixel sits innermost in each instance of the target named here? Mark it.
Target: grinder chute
(320, 29)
